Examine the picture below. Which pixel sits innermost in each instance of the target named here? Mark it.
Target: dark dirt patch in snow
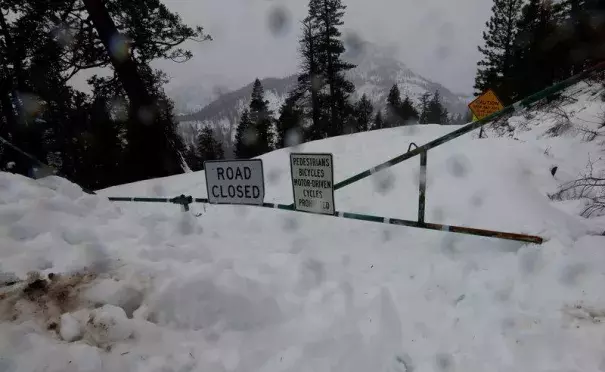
(43, 299)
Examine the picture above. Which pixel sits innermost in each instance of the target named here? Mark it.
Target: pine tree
(326, 16)
(409, 114)
(289, 124)
(104, 149)
(76, 131)
(254, 134)
(584, 43)
(467, 117)
(578, 20)
(262, 120)
(425, 100)
(393, 118)
(457, 119)
(363, 114)
(495, 67)
(535, 62)
(378, 121)
(192, 158)
(436, 112)
(310, 80)
(208, 147)
(245, 137)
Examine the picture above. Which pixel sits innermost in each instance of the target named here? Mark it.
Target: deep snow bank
(149, 288)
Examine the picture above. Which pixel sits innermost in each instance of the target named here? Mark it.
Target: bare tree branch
(589, 187)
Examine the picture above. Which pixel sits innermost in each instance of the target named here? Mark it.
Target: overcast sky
(436, 38)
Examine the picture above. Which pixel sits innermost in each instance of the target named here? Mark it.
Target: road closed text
(235, 182)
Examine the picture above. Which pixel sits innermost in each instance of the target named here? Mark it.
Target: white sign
(312, 182)
(235, 181)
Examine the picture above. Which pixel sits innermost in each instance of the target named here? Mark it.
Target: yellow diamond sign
(485, 105)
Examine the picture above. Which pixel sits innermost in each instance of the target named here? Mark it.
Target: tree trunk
(125, 68)
(147, 126)
(313, 77)
(6, 83)
(10, 120)
(332, 131)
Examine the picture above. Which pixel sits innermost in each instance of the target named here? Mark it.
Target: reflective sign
(485, 105)
(235, 181)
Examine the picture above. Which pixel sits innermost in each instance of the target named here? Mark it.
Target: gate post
(422, 188)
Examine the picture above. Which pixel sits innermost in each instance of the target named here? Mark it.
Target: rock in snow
(107, 325)
(70, 328)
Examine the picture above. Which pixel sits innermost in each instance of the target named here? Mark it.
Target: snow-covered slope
(223, 114)
(231, 288)
(376, 72)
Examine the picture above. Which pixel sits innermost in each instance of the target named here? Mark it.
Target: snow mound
(87, 285)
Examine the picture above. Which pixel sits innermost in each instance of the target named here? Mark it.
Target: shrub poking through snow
(589, 187)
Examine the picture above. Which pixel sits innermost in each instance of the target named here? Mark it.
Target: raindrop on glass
(387, 235)
(118, 47)
(293, 137)
(438, 215)
(64, 35)
(250, 137)
(279, 20)
(444, 362)
(273, 176)
(353, 44)
(442, 52)
(458, 166)
(118, 109)
(316, 82)
(384, 181)
(291, 224)
(32, 104)
(477, 200)
(146, 115)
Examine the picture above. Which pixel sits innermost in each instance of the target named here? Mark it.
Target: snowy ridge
(224, 113)
(375, 74)
(228, 288)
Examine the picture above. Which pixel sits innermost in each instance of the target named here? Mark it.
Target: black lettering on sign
(229, 173)
(313, 194)
(239, 174)
(215, 191)
(305, 172)
(247, 173)
(305, 202)
(220, 173)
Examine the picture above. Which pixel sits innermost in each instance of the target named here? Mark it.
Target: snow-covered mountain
(376, 72)
(223, 113)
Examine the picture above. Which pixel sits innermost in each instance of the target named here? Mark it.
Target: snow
(148, 287)
(71, 329)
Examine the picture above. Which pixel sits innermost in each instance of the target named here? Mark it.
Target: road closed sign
(312, 182)
(235, 181)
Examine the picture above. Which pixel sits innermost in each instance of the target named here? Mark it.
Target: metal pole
(369, 218)
(422, 194)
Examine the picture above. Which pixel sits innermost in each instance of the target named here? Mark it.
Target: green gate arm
(477, 124)
(362, 217)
